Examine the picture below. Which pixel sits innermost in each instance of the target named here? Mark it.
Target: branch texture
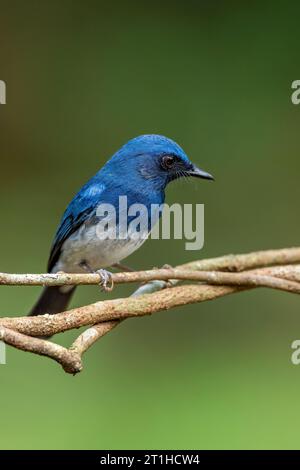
(210, 278)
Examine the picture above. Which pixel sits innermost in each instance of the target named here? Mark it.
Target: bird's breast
(86, 245)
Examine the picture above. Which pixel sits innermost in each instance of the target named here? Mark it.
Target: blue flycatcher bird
(140, 170)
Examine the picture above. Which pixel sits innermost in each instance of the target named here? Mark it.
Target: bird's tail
(52, 300)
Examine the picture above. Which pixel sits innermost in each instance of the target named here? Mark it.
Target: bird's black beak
(198, 173)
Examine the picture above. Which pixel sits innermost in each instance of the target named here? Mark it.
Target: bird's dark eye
(167, 162)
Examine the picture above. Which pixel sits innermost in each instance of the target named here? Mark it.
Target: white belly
(85, 245)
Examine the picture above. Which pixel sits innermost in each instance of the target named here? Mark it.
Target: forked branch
(212, 278)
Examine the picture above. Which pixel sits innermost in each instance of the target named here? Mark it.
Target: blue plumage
(140, 170)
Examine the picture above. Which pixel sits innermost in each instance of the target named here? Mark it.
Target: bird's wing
(78, 211)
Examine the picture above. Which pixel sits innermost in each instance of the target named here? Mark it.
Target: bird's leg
(106, 283)
(123, 267)
(84, 265)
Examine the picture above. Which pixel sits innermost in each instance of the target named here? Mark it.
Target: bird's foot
(106, 282)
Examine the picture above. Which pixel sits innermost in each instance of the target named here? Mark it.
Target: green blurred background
(84, 77)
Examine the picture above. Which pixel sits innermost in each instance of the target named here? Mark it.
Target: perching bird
(140, 170)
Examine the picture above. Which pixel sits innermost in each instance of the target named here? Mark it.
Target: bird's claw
(106, 282)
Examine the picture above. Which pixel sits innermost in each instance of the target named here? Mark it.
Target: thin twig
(186, 272)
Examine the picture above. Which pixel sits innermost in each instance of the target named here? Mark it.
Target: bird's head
(154, 159)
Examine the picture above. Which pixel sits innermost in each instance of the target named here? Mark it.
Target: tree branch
(217, 277)
(70, 360)
(234, 263)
